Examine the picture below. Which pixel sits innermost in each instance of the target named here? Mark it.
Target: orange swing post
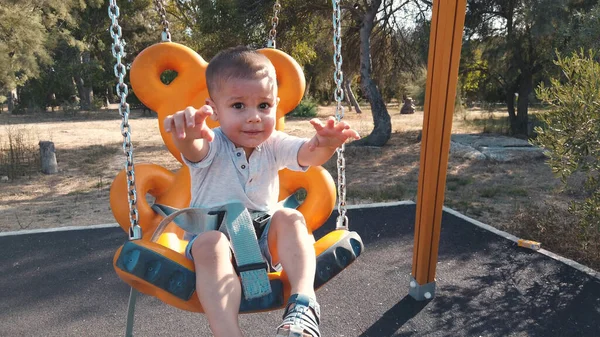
(445, 43)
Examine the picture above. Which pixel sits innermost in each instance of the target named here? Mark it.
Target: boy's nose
(254, 116)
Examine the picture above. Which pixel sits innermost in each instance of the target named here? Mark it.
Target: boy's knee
(288, 215)
(284, 218)
(209, 245)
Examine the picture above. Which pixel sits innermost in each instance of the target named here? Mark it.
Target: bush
(19, 155)
(417, 87)
(557, 230)
(306, 108)
(571, 130)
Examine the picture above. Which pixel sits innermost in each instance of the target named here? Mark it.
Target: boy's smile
(246, 110)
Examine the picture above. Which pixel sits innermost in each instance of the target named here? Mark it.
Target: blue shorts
(263, 244)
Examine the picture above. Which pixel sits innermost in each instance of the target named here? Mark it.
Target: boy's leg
(217, 284)
(292, 246)
(296, 253)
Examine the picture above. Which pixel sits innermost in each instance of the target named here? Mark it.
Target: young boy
(239, 161)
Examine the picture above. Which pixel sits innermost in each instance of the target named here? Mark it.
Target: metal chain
(274, 21)
(118, 51)
(338, 77)
(160, 8)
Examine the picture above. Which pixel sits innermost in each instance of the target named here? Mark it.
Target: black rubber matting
(63, 284)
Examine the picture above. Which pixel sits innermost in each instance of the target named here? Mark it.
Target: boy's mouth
(252, 132)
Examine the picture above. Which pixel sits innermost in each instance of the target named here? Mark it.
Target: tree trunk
(11, 100)
(107, 97)
(382, 130)
(86, 94)
(518, 117)
(510, 106)
(350, 96)
(522, 120)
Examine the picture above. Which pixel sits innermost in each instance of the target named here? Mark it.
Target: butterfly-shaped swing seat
(157, 266)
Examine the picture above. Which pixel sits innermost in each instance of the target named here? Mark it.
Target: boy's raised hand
(190, 123)
(330, 134)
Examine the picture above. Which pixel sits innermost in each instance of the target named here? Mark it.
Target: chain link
(118, 51)
(338, 77)
(160, 8)
(274, 22)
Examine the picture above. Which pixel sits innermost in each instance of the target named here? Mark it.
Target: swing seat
(156, 264)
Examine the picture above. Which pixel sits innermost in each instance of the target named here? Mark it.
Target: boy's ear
(212, 104)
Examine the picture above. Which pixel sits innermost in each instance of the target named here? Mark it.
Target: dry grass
(522, 198)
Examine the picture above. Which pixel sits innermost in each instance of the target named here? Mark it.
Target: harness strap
(195, 220)
(255, 282)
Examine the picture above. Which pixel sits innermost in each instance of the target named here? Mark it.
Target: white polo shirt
(225, 175)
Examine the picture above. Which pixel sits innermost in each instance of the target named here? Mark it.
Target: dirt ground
(510, 196)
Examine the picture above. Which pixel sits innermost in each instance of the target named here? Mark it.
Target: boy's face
(246, 110)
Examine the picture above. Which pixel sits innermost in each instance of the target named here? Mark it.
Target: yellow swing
(153, 262)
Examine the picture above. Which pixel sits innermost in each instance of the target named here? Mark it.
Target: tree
(212, 26)
(364, 18)
(518, 38)
(572, 132)
(30, 30)
(583, 29)
(369, 27)
(23, 49)
(73, 38)
(90, 43)
(386, 51)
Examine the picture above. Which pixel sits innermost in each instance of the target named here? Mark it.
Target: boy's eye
(264, 106)
(237, 105)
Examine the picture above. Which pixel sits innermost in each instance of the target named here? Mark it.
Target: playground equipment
(152, 261)
(445, 40)
(444, 53)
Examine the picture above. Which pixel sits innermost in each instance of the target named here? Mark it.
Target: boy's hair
(237, 63)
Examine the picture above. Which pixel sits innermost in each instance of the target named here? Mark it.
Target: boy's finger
(208, 134)
(317, 124)
(331, 122)
(188, 116)
(203, 112)
(351, 133)
(168, 123)
(341, 126)
(179, 123)
(313, 143)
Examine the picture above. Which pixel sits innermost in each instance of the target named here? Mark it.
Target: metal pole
(131, 312)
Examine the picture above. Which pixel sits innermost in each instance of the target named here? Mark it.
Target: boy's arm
(193, 150)
(190, 133)
(328, 138)
(316, 157)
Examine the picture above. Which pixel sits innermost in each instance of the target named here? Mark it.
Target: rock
(485, 141)
(4, 179)
(495, 148)
(48, 157)
(408, 107)
(512, 154)
(465, 151)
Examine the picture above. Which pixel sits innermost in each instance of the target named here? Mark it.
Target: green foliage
(307, 108)
(474, 77)
(168, 76)
(22, 43)
(584, 28)
(212, 26)
(572, 134)
(417, 86)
